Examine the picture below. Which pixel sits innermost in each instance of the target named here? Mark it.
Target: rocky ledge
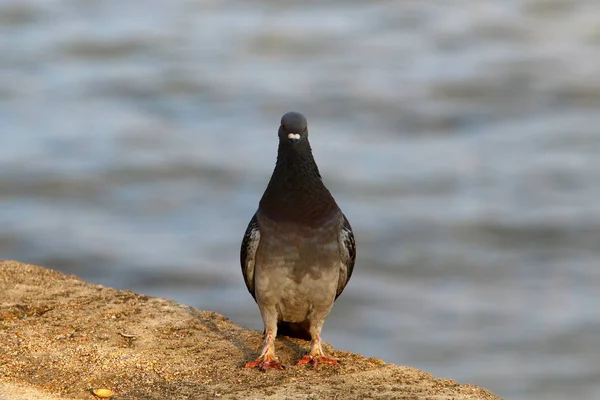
(60, 337)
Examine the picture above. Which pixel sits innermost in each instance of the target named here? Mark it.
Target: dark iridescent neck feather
(296, 192)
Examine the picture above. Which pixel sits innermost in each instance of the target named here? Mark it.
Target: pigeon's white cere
(294, 136)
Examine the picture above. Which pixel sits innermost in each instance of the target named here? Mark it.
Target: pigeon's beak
(293, 137)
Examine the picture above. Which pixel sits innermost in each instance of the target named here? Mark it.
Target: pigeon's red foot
(264, 364)
(316, 360)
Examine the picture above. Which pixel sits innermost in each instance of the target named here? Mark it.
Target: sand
(61, 337)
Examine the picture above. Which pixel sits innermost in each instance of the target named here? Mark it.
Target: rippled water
(461, 138)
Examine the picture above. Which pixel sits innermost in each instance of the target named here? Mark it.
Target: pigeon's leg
(267, 358)
(316, 355)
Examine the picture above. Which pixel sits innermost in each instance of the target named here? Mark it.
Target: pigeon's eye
(283, 126)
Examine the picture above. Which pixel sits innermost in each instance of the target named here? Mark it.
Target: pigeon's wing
(248, 253)
(347, 255)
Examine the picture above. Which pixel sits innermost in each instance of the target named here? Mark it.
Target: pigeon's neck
(296, 191)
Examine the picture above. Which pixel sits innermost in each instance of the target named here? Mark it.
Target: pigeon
(298, 251)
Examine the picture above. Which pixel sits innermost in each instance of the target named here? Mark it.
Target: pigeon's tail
(295, 330)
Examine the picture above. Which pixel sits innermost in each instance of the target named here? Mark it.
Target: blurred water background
(460, 137)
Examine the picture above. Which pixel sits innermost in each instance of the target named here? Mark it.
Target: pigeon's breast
(297, 267)
(302, 250)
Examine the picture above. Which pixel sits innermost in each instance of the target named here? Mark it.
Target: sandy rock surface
(61, 336)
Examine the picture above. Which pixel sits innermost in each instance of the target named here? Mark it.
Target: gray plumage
(298, 251)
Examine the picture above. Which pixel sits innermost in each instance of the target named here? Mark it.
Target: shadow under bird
(298, 251)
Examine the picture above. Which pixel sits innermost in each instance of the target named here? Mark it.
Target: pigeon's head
(293, 129)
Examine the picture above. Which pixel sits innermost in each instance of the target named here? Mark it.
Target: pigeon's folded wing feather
(347, 255)
(248, 253)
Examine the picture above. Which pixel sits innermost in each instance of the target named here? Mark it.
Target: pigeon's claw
(264, 363)
(316, 355)
(316, 360)
(267, 358)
